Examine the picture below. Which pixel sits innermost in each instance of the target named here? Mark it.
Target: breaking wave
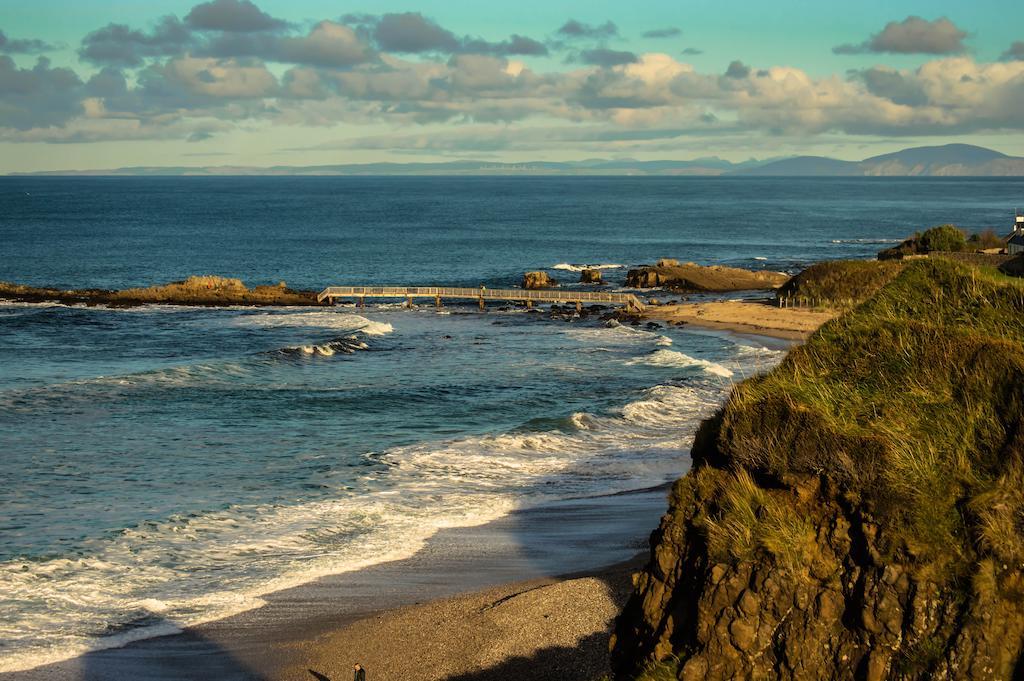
(346, 346)
(867, 241)
(226, 560)
(674, 358)
(338, 321)
(573, 267)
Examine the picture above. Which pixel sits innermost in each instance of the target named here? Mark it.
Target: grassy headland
(860, 509)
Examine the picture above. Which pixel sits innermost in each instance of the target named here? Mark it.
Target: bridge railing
(549, 295)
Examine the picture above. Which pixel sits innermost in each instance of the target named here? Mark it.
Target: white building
(1015, 242)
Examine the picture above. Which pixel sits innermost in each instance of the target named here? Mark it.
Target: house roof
(1017, 239)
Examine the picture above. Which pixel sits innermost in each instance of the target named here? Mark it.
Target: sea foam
(338, 321)
(673, 358)
(570, 267)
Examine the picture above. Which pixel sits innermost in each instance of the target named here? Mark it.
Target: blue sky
(228, 82)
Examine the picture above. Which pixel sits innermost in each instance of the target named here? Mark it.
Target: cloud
(23, 46)
(411, 32)
(692, 51)
(240, 16)
(109, 82)
(574, 30)
(196, 81)
(601, 56)
(1014, 52)
(38, 97)
(186, 79)
(118, 44)
(894, 86)
(328, 44)
(517, 45)
(737, 69)
(670, 32)
(913, 35)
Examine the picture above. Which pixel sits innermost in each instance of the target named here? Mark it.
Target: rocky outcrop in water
(536, 280)
(591, 277)
(692, 277)
(207, 290)
(857, 513)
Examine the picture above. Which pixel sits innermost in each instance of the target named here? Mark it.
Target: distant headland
(951, 160)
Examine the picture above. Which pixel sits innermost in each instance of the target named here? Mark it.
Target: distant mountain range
(948, 160)
(945, 161)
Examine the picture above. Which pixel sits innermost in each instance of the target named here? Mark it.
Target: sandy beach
(555, 629)
(529, 596)
(749, 317)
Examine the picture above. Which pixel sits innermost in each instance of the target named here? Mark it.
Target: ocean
(166, 466)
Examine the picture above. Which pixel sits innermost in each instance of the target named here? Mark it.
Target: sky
(112, 83)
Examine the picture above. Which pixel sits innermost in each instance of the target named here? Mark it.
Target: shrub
(942, 238)
(984, 240)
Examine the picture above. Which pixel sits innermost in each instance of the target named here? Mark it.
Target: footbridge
(481, 294)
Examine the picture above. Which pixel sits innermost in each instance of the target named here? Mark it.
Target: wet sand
(742, 316)
(407, 620)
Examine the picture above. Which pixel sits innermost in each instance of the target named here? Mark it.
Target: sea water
(165, 466)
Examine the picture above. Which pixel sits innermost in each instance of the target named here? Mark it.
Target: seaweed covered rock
(858, 512)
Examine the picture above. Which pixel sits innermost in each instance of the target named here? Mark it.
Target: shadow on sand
(550, 664)
(176, 657)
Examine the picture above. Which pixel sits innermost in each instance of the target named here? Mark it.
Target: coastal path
(481, 294)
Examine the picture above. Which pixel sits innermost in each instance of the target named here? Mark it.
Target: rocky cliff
(858, 512)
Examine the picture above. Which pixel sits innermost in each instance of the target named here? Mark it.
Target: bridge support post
(482, 307)
(579, 307)
(437, 301)
(529, 304)
(408, 302)
(361, 302)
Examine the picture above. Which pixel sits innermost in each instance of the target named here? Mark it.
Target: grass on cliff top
(840, 283)
(913, 403)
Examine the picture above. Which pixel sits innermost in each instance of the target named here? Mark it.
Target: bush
(943, 238)
(985, 240)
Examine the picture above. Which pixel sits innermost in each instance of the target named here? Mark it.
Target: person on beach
(358, 673)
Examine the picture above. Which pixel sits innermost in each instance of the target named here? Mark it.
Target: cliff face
(859, 511)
